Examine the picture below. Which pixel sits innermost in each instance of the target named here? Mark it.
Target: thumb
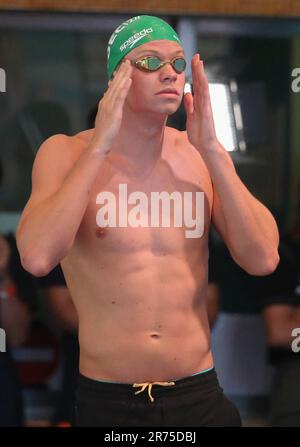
(188, 103)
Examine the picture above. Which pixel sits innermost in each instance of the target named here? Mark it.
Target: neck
(141, 136)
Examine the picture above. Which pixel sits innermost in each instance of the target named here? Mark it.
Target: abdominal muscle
(137, 323)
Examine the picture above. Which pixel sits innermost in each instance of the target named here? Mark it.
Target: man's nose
(167, 72)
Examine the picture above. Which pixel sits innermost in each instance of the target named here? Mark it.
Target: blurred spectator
(16, 291)
(36, 123)
(62, 309)
(281, 313)
(15, 320)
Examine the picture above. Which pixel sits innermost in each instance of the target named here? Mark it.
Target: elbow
(265, 265)
(273, 264)
(269, 264)
(33, 259)
(35, 265)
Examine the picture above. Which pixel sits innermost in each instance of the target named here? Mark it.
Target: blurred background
(53, 54)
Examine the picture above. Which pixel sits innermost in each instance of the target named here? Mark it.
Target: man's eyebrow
(158, 52)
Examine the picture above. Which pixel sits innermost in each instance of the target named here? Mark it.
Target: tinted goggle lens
(179, 65)
(154, 63)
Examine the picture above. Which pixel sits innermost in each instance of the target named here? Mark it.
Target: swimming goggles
(154, 63)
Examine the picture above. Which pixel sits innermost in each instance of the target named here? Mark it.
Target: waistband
(203, 381)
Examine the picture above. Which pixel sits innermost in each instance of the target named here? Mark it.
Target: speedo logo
(135, 38)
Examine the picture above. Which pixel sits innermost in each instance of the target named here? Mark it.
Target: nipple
(100, 232)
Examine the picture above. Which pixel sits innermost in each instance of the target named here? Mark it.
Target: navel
(155, 336)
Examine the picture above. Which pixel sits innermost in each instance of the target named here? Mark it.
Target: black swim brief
(193, 401)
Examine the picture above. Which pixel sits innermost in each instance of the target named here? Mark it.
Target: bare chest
(165, 212)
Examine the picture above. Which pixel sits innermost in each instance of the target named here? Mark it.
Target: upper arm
(218, 219)
(196, 171)
(51, 165)
(212, 302)
(215, 209)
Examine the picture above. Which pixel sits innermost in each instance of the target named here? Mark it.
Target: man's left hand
(199, 124)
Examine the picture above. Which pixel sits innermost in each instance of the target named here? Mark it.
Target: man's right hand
(51, 219)
(110, 108)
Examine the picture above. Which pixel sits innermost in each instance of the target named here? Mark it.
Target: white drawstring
(149, 385)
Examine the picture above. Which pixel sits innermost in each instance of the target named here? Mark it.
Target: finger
(198, 73)
(121, 81)
(204, 87)
(123, 93)
(197, 68)
(124, 68)
(201, 91)
(123, 71)
(188, 103)
(109, 99)
(206, 95)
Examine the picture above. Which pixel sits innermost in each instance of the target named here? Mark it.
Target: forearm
(47, 232)
(248, 227)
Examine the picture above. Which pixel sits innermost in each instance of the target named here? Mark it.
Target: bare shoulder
(188, 163)
(73, 142)
(63, 148)
(187, 152)
(53, 161)
(84, 137)
(187, 146)
(60, 143)
(182, 142)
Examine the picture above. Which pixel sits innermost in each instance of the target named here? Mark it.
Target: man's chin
(169, 109)
(171, 112)
(161, 109)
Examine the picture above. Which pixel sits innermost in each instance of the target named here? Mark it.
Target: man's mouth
(168, 91)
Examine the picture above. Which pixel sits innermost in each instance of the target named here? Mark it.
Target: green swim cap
(133, 33)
